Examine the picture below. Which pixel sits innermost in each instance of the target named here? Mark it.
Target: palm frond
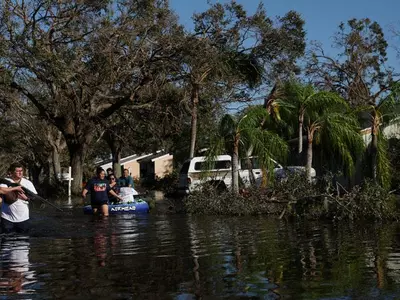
(266, 145)
(256, 116)
(209, 163)
(341, 140)
(326, 100)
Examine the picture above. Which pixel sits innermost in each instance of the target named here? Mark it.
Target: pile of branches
(295, 197)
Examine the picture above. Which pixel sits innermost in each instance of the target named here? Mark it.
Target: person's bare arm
(116, 195)
(5, 190)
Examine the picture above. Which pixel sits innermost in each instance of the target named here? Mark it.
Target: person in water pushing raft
(99, 189)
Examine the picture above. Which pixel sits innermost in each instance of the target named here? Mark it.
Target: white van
(193, 173)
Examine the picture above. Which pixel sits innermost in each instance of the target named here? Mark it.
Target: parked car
(193, 173)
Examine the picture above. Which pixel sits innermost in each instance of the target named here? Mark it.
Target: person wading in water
(15, 209)
(99, 189)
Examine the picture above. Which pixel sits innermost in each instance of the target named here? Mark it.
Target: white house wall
(392, 131)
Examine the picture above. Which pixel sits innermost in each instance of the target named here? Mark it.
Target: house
(390, 131)
(156, 166)
(151, 165)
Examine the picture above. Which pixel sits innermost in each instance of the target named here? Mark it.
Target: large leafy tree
(27, 138)
(154, 125)
(359, 72)
(234, 50)
(243, 135)
(80, 61)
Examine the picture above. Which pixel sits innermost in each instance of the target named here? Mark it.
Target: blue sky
(322, 17)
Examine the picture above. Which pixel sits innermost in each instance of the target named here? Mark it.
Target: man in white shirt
(15, 214)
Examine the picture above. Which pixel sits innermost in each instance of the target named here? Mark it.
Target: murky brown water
(72, 256)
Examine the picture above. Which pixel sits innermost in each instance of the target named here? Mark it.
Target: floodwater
(72, 256)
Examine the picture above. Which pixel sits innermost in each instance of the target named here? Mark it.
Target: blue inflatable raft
(122, 208)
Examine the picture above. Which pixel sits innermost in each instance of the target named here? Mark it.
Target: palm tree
(243, 135)
(333, 125)
(326, 119)
(385, 113)
(339, 130)
(300, 99)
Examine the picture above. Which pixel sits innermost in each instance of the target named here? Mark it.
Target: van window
(254, 163)
(218, 165)
(185, 168)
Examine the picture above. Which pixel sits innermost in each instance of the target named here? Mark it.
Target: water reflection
(185, 257)
(104, 240)
(16, 276)
(258, 257)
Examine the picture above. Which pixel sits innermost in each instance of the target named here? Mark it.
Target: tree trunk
(235, 165)
(249, 164)
(55, 139)
(373, 148)
(301, 120)
(116, 157)
(55, 164)
(195, 103)
(77, 153)
(309, 156)
(115, 145)
(264, 179)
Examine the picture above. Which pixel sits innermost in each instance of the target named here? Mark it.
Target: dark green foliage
(79, 63)
(168, 184)
(276, 44)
